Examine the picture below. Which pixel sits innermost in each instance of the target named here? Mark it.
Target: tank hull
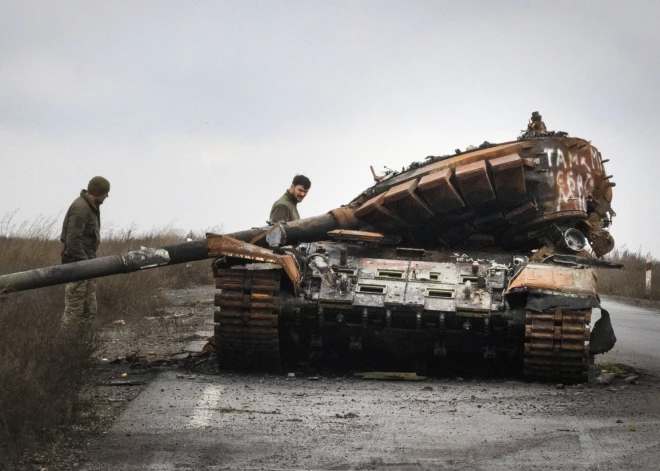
(407, 307)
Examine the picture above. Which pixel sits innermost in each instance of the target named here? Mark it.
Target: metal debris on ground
(124, 383)
(349, 415)
(390, 376)
(606, 378)
(180, 356)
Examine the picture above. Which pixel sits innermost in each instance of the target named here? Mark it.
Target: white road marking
(200, 417)
(203, 411)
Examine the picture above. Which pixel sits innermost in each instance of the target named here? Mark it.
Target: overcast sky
(199, 113)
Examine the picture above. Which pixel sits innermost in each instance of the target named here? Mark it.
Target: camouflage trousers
(79, 303)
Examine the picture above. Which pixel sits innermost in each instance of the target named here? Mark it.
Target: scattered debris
(124, 383)
(247, 411)
(606, 378)
(132, 357)
(391, 376)
(349, 415)
(180, 356)
(632, 379)
(427, 388)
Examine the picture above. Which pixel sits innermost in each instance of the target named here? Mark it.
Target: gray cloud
(200, 113)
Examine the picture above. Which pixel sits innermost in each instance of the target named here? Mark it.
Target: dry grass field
(631, 281)
(43, 367)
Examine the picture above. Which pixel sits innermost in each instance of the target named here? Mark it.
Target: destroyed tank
(487, 253)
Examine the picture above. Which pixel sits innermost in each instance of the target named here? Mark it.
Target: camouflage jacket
(284, 209)
(81, 230)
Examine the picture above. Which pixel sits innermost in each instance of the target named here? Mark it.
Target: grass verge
(44, 367)
(631, 281)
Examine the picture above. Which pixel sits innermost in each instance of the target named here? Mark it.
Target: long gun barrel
(104, 266)
(304, 230)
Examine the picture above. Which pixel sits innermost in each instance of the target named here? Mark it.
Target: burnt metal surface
(555, 279)
(225, 246)
(356, 236)
(438, 190)
(524, 187)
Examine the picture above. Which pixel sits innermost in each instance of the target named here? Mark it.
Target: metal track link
(556, 345)
(246, 319)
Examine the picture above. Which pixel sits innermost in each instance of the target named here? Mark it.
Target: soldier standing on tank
(536, 124)
(81, 237)
(285, 209)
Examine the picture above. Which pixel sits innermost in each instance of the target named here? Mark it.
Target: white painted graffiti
(573, 177)
(588, 158)
(467, 258)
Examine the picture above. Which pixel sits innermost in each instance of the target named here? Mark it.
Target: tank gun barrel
(103, 266)
(310, 229)
(304, 230)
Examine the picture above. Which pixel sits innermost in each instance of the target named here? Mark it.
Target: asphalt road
(244, 422)
(638, 336)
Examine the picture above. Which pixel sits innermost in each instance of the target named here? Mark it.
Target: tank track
(246, 319)
(556, 347)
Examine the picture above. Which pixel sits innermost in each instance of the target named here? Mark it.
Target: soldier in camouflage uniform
(81, 237)
(285, 209)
